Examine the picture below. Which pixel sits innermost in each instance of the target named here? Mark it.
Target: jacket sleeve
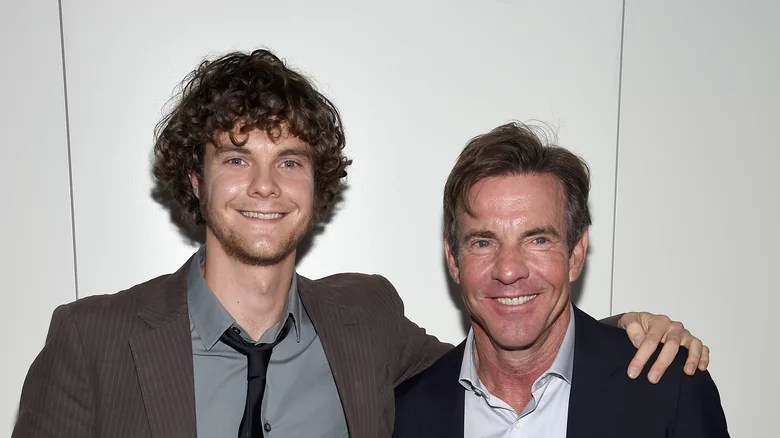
(57, 398)
(699, 411)
(416, 350)
(613, 320)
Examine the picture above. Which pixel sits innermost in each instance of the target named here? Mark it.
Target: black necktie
(257, 357)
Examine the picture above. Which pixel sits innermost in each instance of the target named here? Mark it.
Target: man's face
(257, 199)
(514, 267)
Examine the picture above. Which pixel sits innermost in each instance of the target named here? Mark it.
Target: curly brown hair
(243, 92)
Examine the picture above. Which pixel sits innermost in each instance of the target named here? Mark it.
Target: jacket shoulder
(363, 289)
(614, 344)
(349, 282)
(130, 299)
(688, 405)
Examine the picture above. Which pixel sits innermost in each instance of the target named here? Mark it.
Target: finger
(667, 355)
(678, 334)
(643, 353)
(636, 333)
(695, 348)
(704, 362)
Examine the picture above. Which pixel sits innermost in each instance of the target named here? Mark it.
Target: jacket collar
(596, 364)
(163, 358)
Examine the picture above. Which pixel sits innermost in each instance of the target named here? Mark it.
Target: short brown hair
(516, 149)
(243, 92)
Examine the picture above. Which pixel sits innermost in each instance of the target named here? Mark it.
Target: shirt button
(267, 426)
(236, 330)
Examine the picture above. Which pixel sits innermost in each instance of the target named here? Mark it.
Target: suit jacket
(603, 401)
(121, 365)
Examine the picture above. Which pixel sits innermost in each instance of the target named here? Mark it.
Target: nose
(510, 265)
(264, 183)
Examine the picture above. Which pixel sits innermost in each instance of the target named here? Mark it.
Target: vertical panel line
(70, 161)
(617, 160)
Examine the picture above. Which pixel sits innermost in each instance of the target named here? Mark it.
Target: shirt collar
(210, 318)
(562, 366)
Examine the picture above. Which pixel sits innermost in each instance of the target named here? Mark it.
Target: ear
(195, 184)
(452, 262)
(577, 257)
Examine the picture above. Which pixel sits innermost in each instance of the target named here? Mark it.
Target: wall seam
(617, 161)
(70, 161)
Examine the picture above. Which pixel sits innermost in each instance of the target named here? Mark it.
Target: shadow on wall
(305, 245)
(193, 234)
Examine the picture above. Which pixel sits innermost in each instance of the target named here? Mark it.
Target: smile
(265, 216)
(516, 301)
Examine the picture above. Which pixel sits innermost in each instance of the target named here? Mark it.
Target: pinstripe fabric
(121, 365)
(114, 366)
(369, 344)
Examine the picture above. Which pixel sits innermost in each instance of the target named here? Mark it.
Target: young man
(256, 153)
(516, 224)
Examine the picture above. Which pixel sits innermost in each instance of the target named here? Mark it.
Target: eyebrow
(550, 231)
(481, 234)
(295, 152)
(230, 149)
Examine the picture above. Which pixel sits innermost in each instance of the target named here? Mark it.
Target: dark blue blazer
(603, 402)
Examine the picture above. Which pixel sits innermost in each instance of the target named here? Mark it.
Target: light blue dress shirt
(545, 415)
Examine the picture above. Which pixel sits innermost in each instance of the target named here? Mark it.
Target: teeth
(256, 215)
(516, 301)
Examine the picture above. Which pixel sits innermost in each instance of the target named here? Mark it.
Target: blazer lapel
(163, 359)
(447, 396)
(338, 326)
(592, 400)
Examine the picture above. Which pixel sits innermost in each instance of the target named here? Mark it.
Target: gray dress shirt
(301, 399)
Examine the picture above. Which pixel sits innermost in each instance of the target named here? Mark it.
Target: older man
(516, 224)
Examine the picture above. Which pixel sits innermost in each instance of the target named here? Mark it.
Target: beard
(238, 246)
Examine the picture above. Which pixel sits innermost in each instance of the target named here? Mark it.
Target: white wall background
(680, 150)
(36, 234)
(697, 204)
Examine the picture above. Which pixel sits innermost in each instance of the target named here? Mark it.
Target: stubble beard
(237, 246)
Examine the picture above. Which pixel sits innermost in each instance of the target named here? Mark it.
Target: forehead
(515, 197)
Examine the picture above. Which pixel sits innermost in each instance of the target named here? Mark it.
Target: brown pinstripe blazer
(121, 365)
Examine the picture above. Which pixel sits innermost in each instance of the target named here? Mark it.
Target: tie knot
(258, 355)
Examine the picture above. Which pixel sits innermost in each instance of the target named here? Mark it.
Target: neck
(255, 296)
(510, 374)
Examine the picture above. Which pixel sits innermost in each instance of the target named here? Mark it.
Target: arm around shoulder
(417, 350)
(57, 398)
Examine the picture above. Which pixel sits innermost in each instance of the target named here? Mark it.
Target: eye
(540, 240)
(482, 243)
(289, 164)
(235, 161)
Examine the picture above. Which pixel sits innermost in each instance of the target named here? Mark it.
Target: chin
(517, 337)
(262, 256)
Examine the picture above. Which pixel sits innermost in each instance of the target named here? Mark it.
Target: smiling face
(256, 199)
(513, 266)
